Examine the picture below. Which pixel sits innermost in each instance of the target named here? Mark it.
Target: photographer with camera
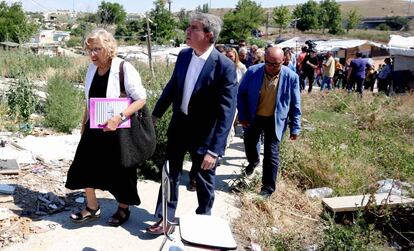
(309, 64)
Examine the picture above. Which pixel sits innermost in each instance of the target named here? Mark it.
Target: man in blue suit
(202, 91)
(268, 100)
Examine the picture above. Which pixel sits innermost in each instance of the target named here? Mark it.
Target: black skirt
(97, 160)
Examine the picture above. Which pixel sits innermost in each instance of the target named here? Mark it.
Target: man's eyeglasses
(272, 64)
(94, 50)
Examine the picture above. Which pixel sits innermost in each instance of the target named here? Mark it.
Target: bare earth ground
(27, 228)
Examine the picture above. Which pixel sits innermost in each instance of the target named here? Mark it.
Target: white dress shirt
(193, 71)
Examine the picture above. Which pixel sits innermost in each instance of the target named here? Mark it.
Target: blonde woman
(97, 160)
(240, 67)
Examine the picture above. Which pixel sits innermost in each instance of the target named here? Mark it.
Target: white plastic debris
(395, 187)
(321, 192)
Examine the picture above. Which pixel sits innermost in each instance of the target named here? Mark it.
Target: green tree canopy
(14, 25)
(183, 19)
(398, 22)
(282, 17)
(130, 30)
(353, 19)
(307, 15)
(163, 24)
(203, 8)
(111, 13)
(239, 23)
(330, 16)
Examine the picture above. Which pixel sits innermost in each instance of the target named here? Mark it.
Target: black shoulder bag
(137, 143)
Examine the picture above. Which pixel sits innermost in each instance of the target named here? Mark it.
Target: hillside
(367, 8)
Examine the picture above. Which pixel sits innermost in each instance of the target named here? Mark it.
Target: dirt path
(57, 232)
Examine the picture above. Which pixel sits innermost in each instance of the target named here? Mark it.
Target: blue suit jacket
(287, 101)
(212, 104)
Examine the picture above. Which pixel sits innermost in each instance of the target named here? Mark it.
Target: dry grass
(288, 217)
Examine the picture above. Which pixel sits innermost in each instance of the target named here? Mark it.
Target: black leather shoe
(265, 194)
(250, 168)
(192, 187)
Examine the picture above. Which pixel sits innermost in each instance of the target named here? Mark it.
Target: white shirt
(194, 68)
(132, 81)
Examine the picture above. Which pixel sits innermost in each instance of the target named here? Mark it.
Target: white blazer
(132, 81)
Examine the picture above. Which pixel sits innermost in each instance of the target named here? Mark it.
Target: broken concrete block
(9, 166)
(5, 213)
(5, 198)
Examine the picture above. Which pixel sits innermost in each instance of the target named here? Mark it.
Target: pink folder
(102, 109)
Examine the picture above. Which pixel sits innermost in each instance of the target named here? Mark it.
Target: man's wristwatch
(123, 117)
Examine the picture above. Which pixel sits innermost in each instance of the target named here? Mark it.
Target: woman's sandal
(119, 217)
(93, 214)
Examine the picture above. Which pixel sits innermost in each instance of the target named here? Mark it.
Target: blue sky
(137, 6)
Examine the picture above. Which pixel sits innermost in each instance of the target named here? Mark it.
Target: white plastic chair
(204, 231)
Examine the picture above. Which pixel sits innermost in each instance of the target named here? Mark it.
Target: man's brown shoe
(158, 228)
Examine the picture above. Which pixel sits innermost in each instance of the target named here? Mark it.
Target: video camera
(311, 45)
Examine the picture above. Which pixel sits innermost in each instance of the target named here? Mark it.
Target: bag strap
(122, 89)
(121, 80)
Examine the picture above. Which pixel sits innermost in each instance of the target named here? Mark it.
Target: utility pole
(149, 47)
(408, 11)
(169, 5)
(267, 24)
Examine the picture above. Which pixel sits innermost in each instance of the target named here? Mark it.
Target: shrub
(74, 42)
(383, 27)
(358, 236)
(63, 104)
(21, 99)
(257, 41)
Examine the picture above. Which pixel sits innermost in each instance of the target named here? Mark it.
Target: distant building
(50, 37)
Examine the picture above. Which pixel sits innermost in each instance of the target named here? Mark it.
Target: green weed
(63, 105)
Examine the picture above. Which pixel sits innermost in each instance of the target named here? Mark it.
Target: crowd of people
(211, 89)
(203, 89)
(323, 69)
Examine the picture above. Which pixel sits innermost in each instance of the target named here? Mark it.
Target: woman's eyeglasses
(94, 50)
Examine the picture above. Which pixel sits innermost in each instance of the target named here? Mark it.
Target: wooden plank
(356, 202)
(9, 166)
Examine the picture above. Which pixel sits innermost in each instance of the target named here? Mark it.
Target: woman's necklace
(103, 69)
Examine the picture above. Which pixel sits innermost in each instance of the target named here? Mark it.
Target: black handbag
(137, 143)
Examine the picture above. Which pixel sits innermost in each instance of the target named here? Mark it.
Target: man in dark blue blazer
(202, 91)
(268, 100)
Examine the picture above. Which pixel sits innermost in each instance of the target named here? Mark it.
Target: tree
(282, 17)
(111, 13)
(203, 9)
(183, 19)
(307, 15)
(14, 25)
(354, 18)
(238, 24)
(398, 22)
(163, 22)
(130, 30)
(330, 16)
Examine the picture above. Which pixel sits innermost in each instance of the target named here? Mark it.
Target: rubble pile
(35, 190)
